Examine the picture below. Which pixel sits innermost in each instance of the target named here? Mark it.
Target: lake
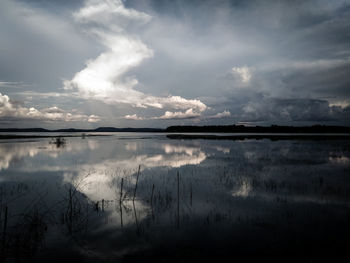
(142, 197)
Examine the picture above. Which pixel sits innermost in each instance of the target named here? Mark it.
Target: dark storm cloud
(292, 110)
(291, 44)
(328, 81)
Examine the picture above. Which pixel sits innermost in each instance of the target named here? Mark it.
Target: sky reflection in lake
(236, 195)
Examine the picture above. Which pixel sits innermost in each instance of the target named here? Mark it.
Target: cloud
(313, 64)
(103, 12)
(132, 117)
(104, 78)
(15, 84)
(54, 110)
(45, 95)
(32, 35)
(168, 115)
(291, 110)
(219, 115)
(9, 110)
(207, 53)
(243, 73)
(94, 118)
(188, 114)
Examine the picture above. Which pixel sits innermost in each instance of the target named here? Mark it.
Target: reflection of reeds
(120, 202)
(136, 221)
(151, 201)
(4, 228)
(191, 194)
(178, 199)
(137, 180)
(76, 216)
(172, 200)
(23, 233)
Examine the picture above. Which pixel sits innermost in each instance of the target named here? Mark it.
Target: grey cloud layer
(152, 61)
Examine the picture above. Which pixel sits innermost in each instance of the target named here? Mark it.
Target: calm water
(142, 197)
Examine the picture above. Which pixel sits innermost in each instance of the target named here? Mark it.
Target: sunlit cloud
(105, 77)
(178, 115)
(132, 117)
(220, 115)
(243, 73)
(188, 114)
(94, 118)
(15, 111)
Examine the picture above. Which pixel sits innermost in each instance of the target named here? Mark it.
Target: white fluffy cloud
(132, 117)
(219, 115)
(104, 78)
(11, 110)
(243, 73)
(102, 12)
(93, 118)
(188, 114)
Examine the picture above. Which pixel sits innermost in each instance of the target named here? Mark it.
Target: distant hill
(203, 129)
(24, 130)
(259, 129)
(112, 129)
(100, 129)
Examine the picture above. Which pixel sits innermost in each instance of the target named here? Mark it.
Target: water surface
(134, 197)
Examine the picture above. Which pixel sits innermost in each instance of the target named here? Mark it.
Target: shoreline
(11, 137)
(272, 137)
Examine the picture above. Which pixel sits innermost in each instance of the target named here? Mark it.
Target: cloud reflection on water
(221, 184)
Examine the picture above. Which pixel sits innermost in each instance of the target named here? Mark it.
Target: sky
(153, 63)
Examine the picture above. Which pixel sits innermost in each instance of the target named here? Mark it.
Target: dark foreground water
(87, 200)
